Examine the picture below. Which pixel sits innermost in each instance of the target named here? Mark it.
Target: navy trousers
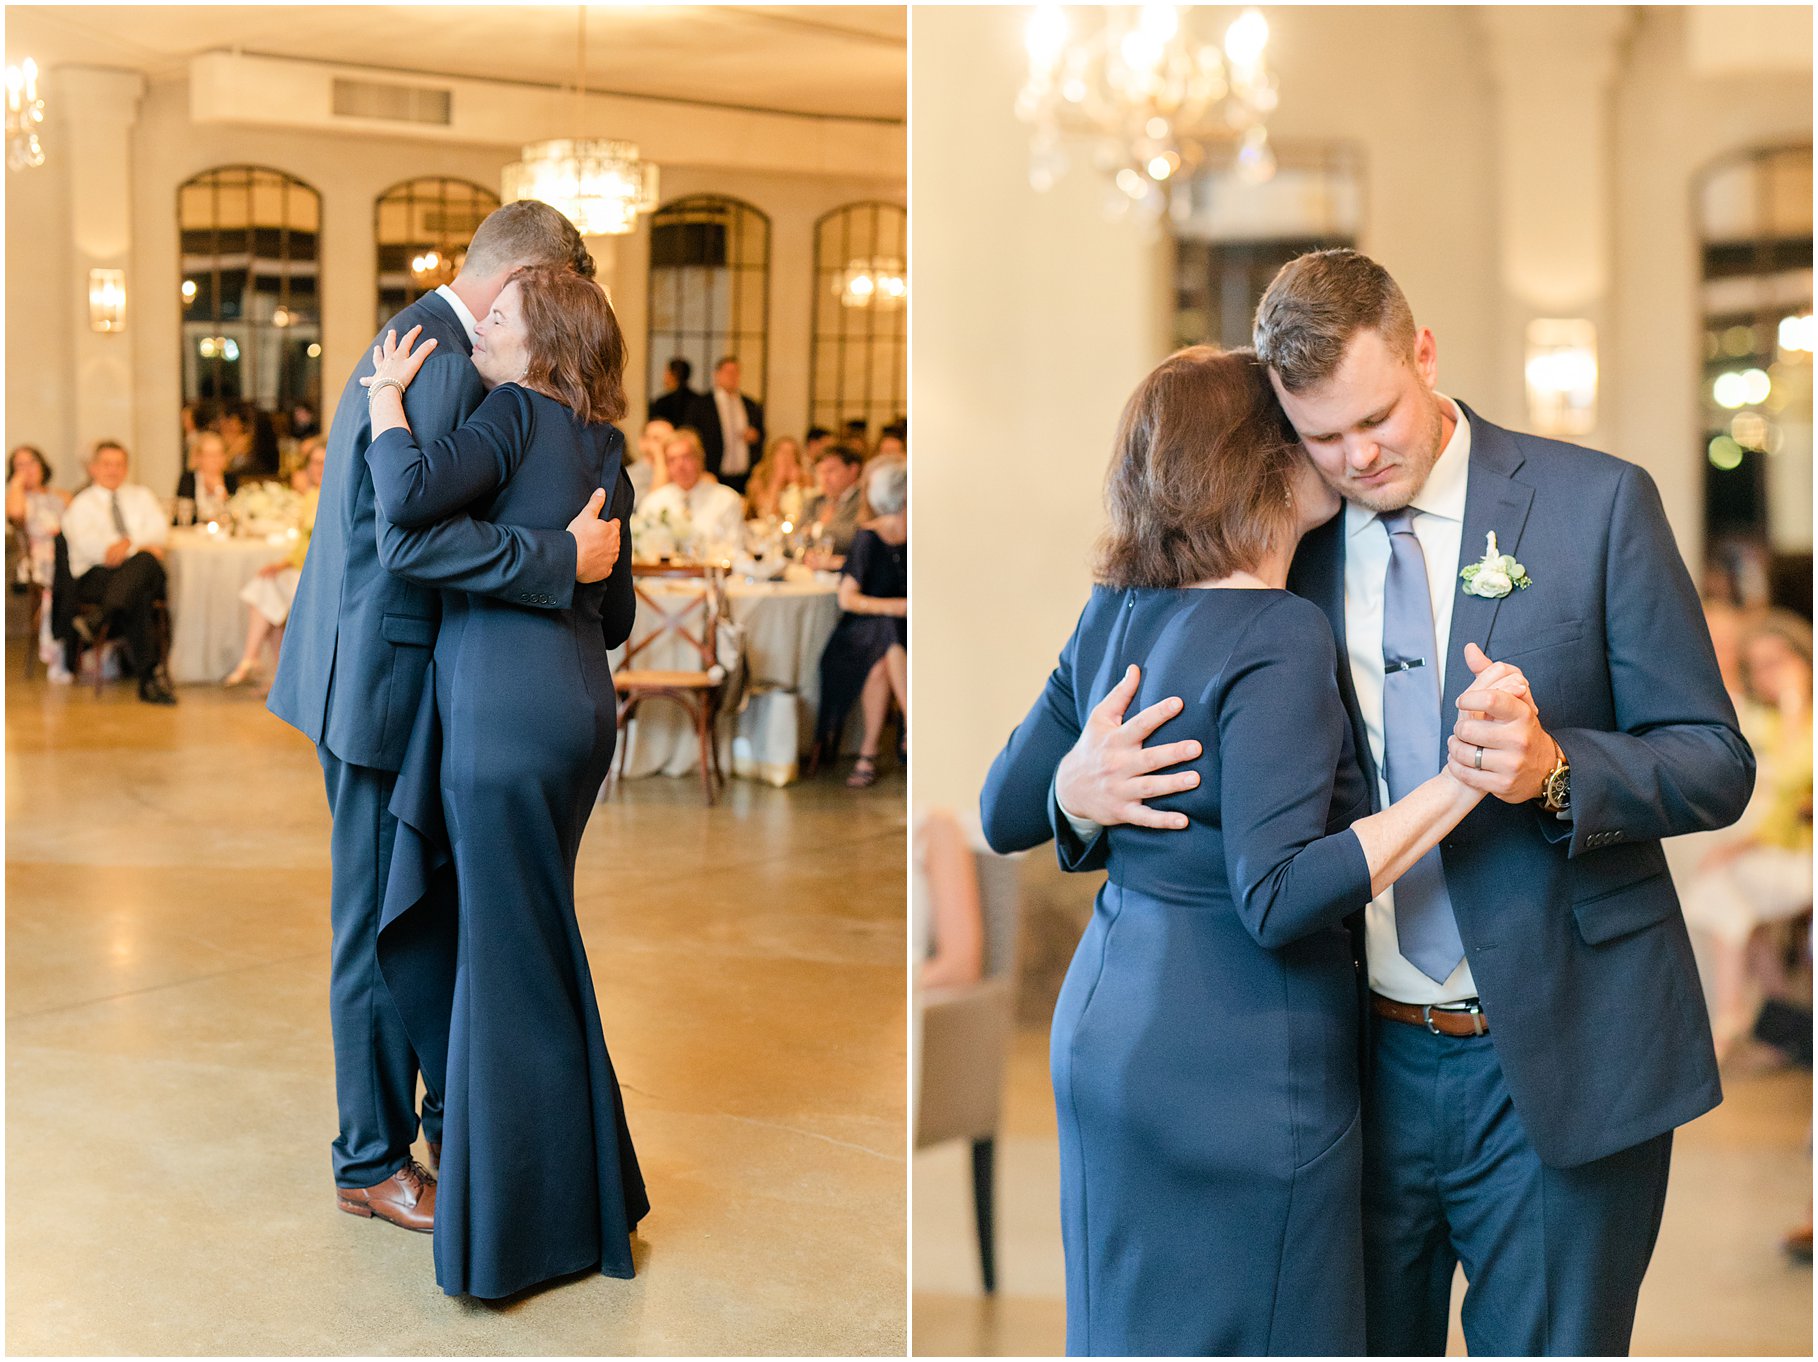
(375, 1066)
(1553, 1257)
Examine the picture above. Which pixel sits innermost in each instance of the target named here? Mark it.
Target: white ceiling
(840, 60)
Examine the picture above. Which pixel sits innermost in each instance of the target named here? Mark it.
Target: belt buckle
(1474, 1012)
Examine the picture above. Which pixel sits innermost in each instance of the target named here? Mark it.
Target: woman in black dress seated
(867, 659)
(538, 1178)
(206, 484)
(1204, 1052)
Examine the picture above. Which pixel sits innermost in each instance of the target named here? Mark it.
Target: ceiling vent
(392, 103)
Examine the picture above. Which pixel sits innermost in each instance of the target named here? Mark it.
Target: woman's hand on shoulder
(396, 359)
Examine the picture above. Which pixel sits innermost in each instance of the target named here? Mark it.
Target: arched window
(860, 372)
(251, 288)
(422, 228)
(1754, 215)
(709, 290)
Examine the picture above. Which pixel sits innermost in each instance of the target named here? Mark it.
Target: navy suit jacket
(357, 645)
(1572, 927)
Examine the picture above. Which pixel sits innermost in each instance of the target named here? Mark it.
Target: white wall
(350, 172)
(1034, 317)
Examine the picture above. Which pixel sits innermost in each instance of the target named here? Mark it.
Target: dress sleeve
(1281, 737)
(417, 485)
(1014, 804)
(858, 559)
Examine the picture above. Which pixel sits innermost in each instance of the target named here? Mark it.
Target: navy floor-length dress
(1204, 1051)
(538, 1178)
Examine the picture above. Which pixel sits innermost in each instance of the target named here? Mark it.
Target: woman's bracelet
(380, 385)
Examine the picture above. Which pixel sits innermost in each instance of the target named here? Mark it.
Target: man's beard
(1395, 495)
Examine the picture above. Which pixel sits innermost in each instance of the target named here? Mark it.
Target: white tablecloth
(206, 573)
(786, 627)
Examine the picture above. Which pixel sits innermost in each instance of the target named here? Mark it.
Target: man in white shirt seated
(116, 532)
(716, 511)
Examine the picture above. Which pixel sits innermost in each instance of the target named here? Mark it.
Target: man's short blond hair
(527, 232)
(1313, 307)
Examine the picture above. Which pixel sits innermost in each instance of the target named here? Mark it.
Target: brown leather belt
(1450, 1020)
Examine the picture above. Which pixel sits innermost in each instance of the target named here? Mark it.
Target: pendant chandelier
(24, 116)
(1153, 101)
(879, 282)
(597, 183)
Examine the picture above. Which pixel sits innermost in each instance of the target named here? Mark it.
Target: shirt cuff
(1083, 828)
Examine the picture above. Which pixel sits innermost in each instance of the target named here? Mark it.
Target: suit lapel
(1493, 501)
(1318, 574)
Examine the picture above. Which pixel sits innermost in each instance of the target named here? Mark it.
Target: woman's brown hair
(577, 352)
(1201, 477)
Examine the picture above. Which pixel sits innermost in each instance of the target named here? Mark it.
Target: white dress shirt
(453, 299)
(717, 512)
(88, 524)
(735, 454)
(1439, 525)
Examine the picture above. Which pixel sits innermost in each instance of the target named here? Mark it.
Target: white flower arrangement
(265, 508)
(1495, 574)
(666, 533)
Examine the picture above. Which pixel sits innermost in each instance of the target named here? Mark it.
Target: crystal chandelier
(1153, 100)
(24, 115)
(879, 282)
(598, 184)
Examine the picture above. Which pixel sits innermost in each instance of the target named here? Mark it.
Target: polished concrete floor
(169, 1082)
(1719, 1285)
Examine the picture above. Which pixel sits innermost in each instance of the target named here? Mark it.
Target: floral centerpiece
(664, 533)
(265, 508)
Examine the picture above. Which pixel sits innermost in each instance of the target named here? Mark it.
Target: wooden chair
(967, 1032)
(33, 591)
(692, 627)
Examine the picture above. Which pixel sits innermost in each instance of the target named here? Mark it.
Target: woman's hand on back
(395, 359)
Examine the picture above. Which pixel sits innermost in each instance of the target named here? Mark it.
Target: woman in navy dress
(866, 660)
(537, 1178)
(1205, 1044)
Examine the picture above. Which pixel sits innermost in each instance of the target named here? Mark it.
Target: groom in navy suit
(351, 673)
(1536, 1027)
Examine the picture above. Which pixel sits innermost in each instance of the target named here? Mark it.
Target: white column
(96, 109)
(1555, 68)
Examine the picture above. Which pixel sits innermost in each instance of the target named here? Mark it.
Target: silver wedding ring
(1477, 761)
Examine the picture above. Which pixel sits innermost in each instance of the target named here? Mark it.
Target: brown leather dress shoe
(407, 1199)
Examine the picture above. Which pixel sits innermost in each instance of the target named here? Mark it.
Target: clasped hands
(596, 541)
(1108, 774)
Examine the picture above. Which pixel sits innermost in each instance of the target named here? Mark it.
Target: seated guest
(892, 444)
(867, 659)
(252, 445)
(949, 918)
(309, 457)
(814, 444)
(677, 398)
(36, 508)
(206, 481)
(646, 471)
(1762, 874)
(269, 594)
(835, 507)
(717, 512)
(116, 532)
(778, 484)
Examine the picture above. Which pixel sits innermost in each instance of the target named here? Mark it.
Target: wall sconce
(1562, 376)
(107, 300)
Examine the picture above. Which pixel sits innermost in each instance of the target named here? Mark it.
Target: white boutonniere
(1495, 574)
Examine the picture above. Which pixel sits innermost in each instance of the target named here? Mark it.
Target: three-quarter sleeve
(417, 485)
(1281, 731)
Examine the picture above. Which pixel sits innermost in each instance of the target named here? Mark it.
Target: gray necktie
(1425, 929)
(113, 504)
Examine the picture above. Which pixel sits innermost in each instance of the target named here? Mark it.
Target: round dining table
(205, 571)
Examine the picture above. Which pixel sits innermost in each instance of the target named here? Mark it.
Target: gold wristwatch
(1556, 789)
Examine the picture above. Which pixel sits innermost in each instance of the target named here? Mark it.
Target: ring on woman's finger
(1477, 761)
